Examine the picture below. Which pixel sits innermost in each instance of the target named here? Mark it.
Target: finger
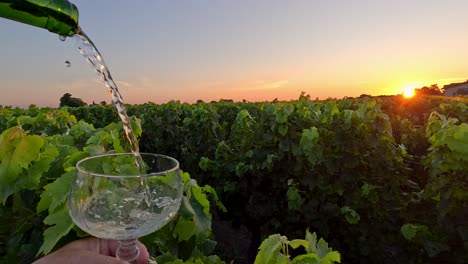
(74, 256)
(106, 247)
(91, 244)
(109, 247)
(93, 258)
(144, 255)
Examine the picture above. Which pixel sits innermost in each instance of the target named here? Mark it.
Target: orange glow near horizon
(408, 92)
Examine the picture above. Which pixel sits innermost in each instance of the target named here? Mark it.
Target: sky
(256, 50)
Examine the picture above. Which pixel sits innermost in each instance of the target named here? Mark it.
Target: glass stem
(128, 250)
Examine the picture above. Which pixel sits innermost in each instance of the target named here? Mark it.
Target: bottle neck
(57, 16)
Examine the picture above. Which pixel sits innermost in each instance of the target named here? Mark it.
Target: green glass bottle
(58, 16)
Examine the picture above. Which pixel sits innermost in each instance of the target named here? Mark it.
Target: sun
(408, 92)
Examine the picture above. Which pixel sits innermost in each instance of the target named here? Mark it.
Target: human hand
(90, 251)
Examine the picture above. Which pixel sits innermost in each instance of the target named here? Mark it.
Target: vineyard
(381, 180)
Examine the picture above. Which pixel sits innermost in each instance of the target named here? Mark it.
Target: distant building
(455, 89)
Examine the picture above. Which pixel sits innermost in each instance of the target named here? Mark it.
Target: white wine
(107, 205)
(107, 215)
(93, 56)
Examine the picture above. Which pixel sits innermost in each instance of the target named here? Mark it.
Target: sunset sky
(256, 50)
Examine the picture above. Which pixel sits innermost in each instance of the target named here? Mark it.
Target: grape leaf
(201, 218)
(281, 259)
(61, 224)
(409, 231)
(269, 248)
(55, 193)
(17, 152)
(210, 190)
(204, 163)
(322, 248)
(350, 214)
(282, 129)
(457, 138)
(185, 229)
(310, 258)
(26, 151)
(32, 179)
(331, 257)
(197, 205)
(312, 239)
(205, 260)
(309, 145)
(299, 242)
(116, 143)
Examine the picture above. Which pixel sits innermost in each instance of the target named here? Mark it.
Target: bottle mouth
(60, 17)
(63, 19)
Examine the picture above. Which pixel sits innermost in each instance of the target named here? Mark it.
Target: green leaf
(310, 258)
(295, 200)
(309, 137)
(26, 120)
(269, 249)
(409, 231)
(299, 242)
(17, 151)
(309, 145)
(366, 189)
(282, 129)
(61, 224)
(185, 229)
(31, 178)
(196, 204)
(201, 219)
(457, 138)
(351, 216)
(116, 143)
(202, 260)
(167, 258)
(204, 163)
(200, 198)
(185, 177)
(56, 193)
(331, 257)
(71, 160)
(20, 161)
(322, 248)
(281, 259)
(242, 168)
(214, 196)
(312, 239)
(27, 150)
(207, 246)
(177, 261)
(136, 125)
(8, 140)
(46, 157)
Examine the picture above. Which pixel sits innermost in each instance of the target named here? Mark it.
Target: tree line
(68, 100)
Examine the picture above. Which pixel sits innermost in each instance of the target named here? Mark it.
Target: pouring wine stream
(93, 56)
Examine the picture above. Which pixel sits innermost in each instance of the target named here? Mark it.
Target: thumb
(93, 258)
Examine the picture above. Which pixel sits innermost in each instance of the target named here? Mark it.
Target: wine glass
(112, 197)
